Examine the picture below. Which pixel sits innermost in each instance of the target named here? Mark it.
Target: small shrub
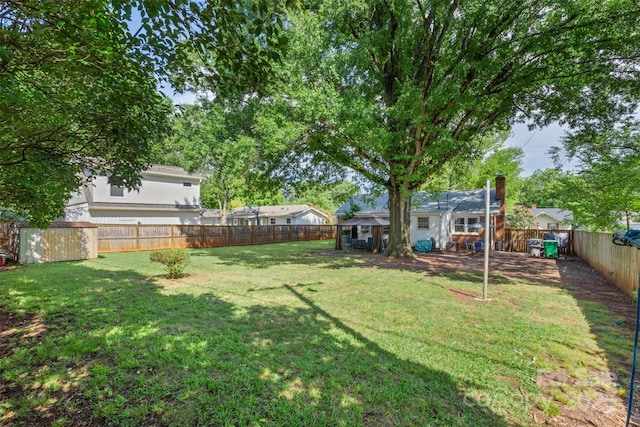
(175, 261)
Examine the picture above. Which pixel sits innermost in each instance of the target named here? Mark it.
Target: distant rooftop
(456, 200)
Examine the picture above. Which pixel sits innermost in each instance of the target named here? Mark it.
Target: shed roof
(371, 221)
(59, 224)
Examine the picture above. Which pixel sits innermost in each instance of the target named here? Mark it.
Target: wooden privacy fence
(142, 237)
(618, 263)
(5, 236)
(516, 239)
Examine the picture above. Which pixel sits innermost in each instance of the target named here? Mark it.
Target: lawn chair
(478, 245)
(469, 246)
(348, 244)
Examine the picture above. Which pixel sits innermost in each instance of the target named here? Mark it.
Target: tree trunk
(399, 237)
(223, 207)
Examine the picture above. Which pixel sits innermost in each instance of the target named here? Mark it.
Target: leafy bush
(175, 261)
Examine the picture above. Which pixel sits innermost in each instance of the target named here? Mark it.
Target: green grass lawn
(286, 335)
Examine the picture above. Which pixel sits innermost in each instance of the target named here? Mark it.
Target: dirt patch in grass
(601, 406)
(24, 332)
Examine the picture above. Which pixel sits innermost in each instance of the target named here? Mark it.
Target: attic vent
(116, 191)
(186, 184)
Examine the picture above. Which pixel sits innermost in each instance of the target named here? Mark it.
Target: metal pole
(487, 243)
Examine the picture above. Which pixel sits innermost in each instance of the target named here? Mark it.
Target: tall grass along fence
(516, 239)
(618, 263)
(141, 237)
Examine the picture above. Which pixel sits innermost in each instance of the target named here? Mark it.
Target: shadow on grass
(266, 256)
(610, 313)
(89, 347)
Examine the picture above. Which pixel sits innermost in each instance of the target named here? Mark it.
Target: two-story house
(167, 195)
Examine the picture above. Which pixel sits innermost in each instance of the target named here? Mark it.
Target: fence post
(253, 234)
(138, 237)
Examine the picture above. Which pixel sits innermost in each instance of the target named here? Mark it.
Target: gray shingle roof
(560, 215)
(169, 170)
(275, 211)
(471, 201)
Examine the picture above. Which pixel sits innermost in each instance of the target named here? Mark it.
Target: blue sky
(536, 144)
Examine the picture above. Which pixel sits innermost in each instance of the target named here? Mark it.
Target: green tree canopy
(545, 188)
(78, 87)
(216, 139)
(72, 101)
(395, 90)
(328, 197)
(605, 194)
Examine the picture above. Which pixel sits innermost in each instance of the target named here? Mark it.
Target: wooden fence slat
(516, 239)
(124, 238)
(618, 263)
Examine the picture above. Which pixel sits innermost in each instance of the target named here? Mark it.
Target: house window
(288, 220)
(423, 223)
(364, 229)
(116, 191)
(272, 221)
(186, 184)
(461, 224)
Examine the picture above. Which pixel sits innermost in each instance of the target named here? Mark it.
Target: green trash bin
(551, 249)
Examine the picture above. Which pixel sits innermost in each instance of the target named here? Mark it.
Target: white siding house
(167, 195)
(269, 215)
(446, 218)
(552, 218)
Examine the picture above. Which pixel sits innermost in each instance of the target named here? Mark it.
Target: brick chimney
(500, 219)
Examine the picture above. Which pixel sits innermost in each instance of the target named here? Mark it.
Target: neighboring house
(552, 218)
(167, 195)
(450, 218)
(269, 215)
(210, 217)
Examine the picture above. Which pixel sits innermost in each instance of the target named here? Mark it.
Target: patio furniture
(478, 245)
(347, 243)
(535, 248)
(359, 244)
(469, 245)
(426, 245)
(369, 243)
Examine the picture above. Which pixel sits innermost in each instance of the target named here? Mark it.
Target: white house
(269, 215)
(167, 195)
(552, 218)
(452, 217)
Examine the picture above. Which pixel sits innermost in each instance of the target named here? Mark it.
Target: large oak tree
(396, 89)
